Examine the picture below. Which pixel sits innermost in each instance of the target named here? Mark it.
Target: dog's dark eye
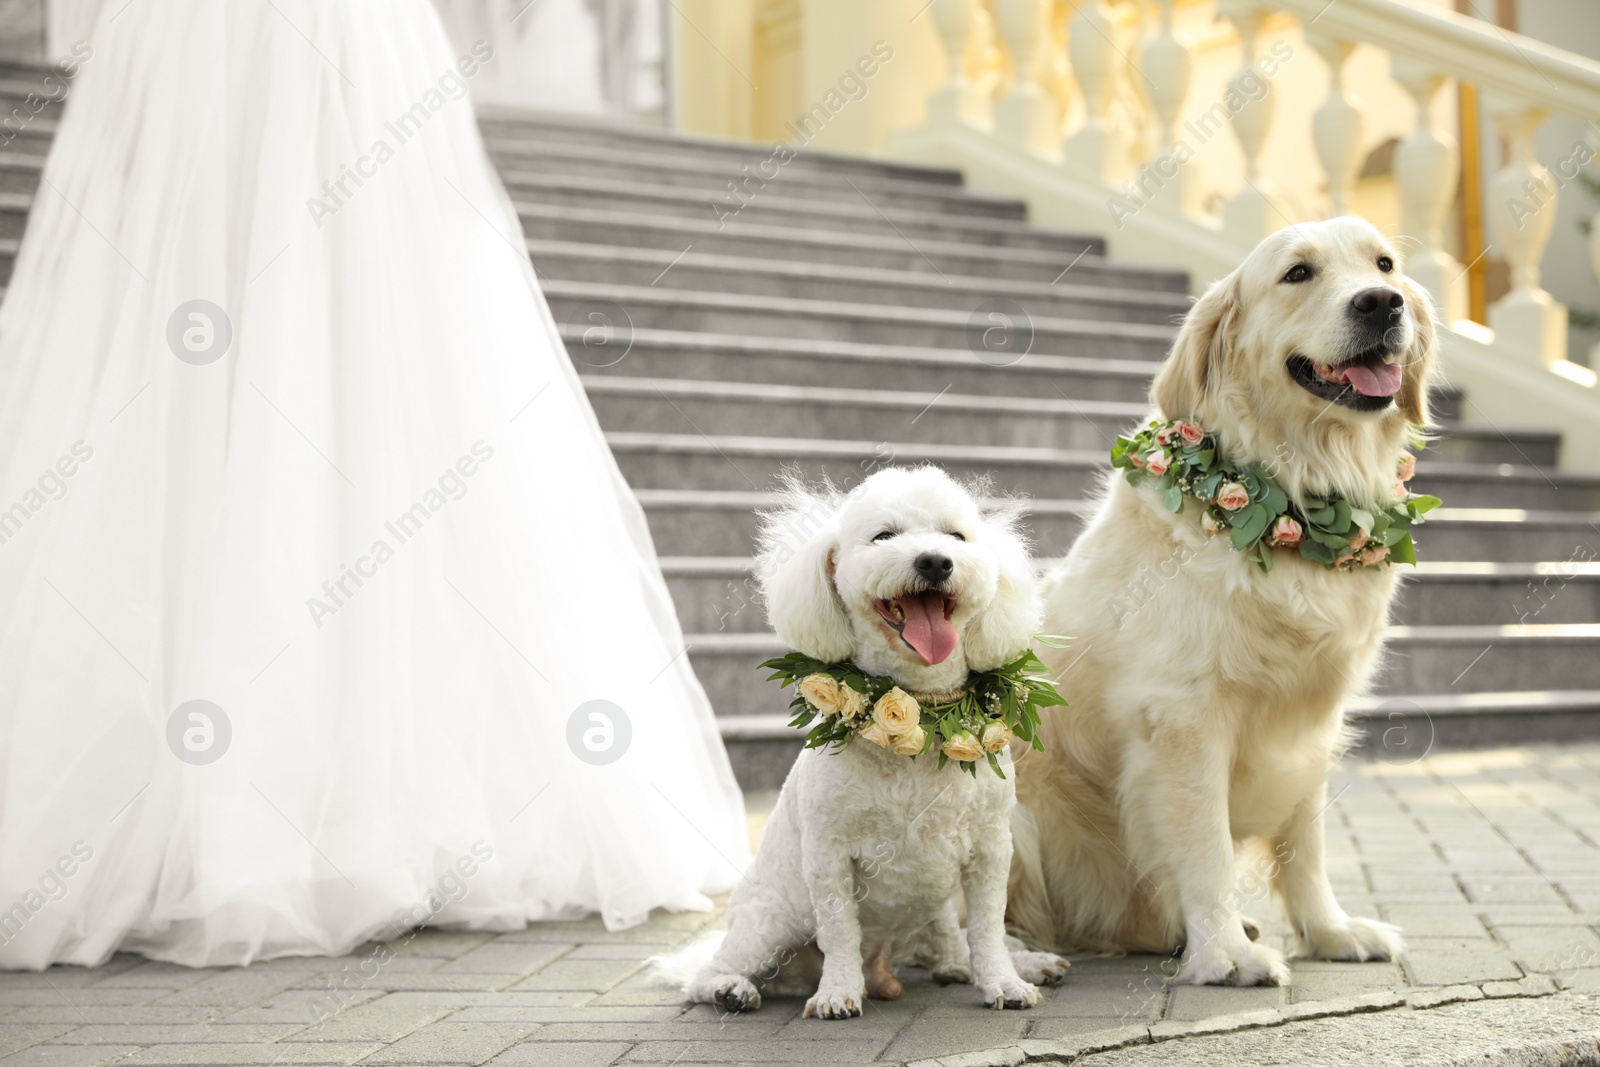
(884, 535)
(958, 535)
(1297, 273)
(1385, 264)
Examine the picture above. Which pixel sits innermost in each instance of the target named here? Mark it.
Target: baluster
(1336, 126)
(958, 100)
(1167, 69)
(1521, 206)
(1098, 149)
(1426, 166)
(1255, 210)
(1027, 116)
(1594, 245)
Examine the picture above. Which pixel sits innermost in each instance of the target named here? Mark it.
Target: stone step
(1418, 659)
(932, 415)
(1484, 658)
(1398, 731)
(729, 183)
(628, 307)
(704, 356)
(703, 460)
(943, 259)
(723, 523)
(855, 212)
(19, 171)
(517, 135)
(1080, 296)
(718, 594)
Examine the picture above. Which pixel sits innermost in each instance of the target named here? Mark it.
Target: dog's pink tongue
(926, 629)
(1374, 377)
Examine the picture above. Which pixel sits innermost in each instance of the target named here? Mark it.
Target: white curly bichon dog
(865, 850)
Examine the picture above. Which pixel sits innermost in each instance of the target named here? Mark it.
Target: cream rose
(1211, 526)
(962, 746)
(996, 736)
(912, 742)
(897, 711)
(877, 735)
(1233, 496)
(823, 693)
(851, 703)
(1158, 462)
(1408, 466)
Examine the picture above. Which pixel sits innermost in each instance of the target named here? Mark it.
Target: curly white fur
(865, 850)
(1206, 695)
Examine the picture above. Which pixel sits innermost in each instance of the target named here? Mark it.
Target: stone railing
(1122, 79)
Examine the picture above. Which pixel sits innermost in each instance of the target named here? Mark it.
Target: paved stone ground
(1490, 860)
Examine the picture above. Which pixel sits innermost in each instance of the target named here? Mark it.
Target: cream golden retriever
(1206, 695)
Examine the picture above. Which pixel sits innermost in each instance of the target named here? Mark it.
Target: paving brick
(666, 1030)
(619, 950)
(1460, 965)
(1328, 981)
(232, 988)
(1063, 1027)
(445, 944)
(506, 957)
(595, 975)
(320, 1055)
(383, 1020)
(68, 1055)
(759, 1051)
(597, 1013)
(1190, 1002)
(160, 1034)
(1551, 948)
(926, 1037)
(533, 1054)
(300, 1006)
(21, 1036)
(83, 1014)
(451, 1042)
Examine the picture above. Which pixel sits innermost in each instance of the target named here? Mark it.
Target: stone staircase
(827, 323)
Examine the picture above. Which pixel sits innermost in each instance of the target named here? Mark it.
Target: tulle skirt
(324, 609)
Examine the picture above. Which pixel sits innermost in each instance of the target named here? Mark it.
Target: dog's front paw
(1355, 940)
(1040, 968)
(730, 992)
(835, 1004)
(1008, 992)
(1241, 963)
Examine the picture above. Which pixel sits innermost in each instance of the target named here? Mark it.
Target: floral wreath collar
(839, 702)
(1182, 460)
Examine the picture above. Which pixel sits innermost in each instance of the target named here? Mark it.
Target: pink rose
(1408, 466)
(1211, 526)
(1358, 539)
(1158, 462)
(1164, 435)
(1233, 496)
(1286, 532)
(1133, 458)
(1375, 555)
(1192, 433)
(1400, 490)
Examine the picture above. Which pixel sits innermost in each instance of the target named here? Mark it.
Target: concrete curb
(1582, 1050)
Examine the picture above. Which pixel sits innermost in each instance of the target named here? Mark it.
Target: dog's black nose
(934, 568)
(1378, 304)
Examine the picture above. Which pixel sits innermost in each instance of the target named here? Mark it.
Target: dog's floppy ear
(1200, 350)
(1419, 358)
(795, 571)
(1015, 615)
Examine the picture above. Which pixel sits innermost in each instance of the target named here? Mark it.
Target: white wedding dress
(357, 503)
